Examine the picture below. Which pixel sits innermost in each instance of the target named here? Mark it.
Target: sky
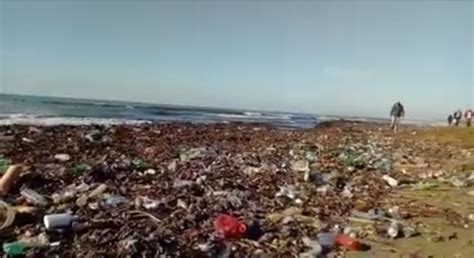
(338, 57)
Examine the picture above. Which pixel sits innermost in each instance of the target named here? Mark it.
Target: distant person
(457, 117)
(468, 115)
(396, 113)
(450, 120)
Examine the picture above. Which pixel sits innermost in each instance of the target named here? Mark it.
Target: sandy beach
(165, 184)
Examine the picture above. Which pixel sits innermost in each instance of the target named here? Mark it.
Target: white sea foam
(255, 114)
(254, 117)
(231, 116)
(18, 116)
(51, 121)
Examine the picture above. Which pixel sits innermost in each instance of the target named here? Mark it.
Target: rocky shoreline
(151, 190)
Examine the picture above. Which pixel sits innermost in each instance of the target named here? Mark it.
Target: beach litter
(390, 180)
(7, 215)
(57, 221)
(79, 169)
(62, 157)
(33, 197)
(20, 247)
(202, 191)
(10, 177)
(4, 164)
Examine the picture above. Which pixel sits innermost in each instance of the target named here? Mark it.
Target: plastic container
(229, 227)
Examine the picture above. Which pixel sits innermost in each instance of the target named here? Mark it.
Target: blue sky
(340, 57)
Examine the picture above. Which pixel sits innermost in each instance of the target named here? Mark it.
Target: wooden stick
(146, 214)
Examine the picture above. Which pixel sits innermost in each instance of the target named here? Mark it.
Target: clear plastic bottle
(34, 197)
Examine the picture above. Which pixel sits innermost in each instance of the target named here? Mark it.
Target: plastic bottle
(19, 247)
(229, 227)
(14, 248)
(34, 197)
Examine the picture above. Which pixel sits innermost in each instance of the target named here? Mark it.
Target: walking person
(450, 120)
(468, 115)
(396, 113)
(457, 117)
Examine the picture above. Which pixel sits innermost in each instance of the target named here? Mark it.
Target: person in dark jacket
(450, 120)
(457, 117)
(396, 113)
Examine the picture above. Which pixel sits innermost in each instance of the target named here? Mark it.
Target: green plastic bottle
(14, 248)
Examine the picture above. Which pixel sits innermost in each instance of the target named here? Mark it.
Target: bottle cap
(242, 228)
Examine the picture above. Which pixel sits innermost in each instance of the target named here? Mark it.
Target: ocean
(19, 109)
(48, 111)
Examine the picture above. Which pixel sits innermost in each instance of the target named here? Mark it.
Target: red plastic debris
(348, 242)
(229, 227)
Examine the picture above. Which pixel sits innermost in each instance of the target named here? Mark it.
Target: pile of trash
(366, 155)
(193, 190)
